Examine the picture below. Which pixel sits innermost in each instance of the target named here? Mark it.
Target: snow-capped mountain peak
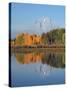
(44, 24)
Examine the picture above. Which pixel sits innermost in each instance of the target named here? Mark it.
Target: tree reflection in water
(48, 60)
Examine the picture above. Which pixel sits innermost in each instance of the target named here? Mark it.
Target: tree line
(56, 36)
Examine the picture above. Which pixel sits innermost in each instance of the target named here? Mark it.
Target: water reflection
(38, 67)
(53, 59)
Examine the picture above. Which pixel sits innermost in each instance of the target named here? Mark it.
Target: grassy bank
(48, 49)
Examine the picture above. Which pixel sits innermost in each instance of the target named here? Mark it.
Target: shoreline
(35, 49)
(39, 46)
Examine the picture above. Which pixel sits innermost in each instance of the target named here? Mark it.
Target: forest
(54, 37)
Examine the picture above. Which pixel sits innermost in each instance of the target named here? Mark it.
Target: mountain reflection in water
(38, 68)
(49, 61)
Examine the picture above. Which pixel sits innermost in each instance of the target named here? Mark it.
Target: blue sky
(24, 15)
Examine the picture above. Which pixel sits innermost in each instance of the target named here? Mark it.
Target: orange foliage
(29, 39)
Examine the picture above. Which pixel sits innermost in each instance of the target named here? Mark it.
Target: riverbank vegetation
(54, 38)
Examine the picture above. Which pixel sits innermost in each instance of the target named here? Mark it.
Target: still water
(37, 68)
